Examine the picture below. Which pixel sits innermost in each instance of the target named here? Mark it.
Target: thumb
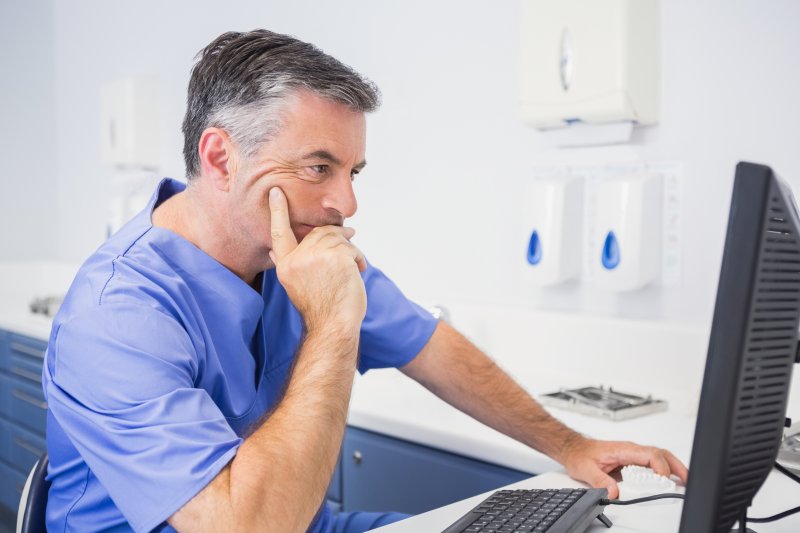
(600, 480)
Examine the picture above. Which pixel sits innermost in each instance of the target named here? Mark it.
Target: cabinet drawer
(26, 369)
(5, 441)
(335, 488)
(23, 403)
(25, 448)
(11, 485)
(4, 336)
(384, 474)
(27, 348)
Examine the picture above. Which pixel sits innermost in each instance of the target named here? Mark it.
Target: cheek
(304, 201)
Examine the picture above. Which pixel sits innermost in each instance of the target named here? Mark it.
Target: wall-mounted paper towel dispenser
(589, 61)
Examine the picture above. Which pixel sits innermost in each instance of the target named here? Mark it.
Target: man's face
(313, 159)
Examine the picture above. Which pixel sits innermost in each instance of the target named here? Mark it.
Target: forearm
(458, 372)
(279, 476)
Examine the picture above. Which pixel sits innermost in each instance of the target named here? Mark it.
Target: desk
(778, 494)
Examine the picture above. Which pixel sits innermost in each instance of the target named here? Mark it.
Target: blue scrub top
(160, 360)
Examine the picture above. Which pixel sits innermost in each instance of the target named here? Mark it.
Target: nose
(340, 196)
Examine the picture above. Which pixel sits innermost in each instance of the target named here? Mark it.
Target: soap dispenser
(553, 213)
(626, 232)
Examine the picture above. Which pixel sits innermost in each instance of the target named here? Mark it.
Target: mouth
(302, 230)
(309, 227)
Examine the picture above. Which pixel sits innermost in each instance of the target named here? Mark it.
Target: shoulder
(128, 271)
(100, 352)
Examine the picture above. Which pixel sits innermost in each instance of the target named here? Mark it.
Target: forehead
(311, 123)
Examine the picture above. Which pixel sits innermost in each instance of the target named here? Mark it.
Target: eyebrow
(327, 156)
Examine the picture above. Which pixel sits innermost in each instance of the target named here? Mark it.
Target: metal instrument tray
(604, 403)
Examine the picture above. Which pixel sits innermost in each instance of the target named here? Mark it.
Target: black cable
(774, 517)
(605, 501)
(786, 472)
(791, 475)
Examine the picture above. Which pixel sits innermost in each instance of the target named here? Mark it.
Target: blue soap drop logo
(611, 255)
(534, 249)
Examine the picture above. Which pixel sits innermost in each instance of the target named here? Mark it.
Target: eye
(353, 174)
(319, 169)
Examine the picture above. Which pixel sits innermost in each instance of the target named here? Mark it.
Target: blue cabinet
(381, 473)
(23, 412)
(334, 495)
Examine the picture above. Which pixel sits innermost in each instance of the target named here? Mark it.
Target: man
(199, 371)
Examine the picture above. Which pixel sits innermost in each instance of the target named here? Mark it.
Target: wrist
(569, 444)
(333, 327)
(342, 333)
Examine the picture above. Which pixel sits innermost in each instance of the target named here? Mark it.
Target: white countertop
(15, 316)
(21, 282)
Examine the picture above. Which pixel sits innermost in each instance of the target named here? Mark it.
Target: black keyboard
(534, 511)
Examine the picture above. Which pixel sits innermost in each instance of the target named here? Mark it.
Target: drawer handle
(27, 350)
(357, 457)
(27, 398)
(27, 446)
(27, 374)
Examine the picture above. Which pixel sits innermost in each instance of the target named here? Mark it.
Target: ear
(217, 157)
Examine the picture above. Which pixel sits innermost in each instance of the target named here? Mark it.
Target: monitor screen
(751, 353)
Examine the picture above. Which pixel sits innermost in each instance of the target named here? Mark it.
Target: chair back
(33, 503)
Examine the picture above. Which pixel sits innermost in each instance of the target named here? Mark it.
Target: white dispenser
(589, 61)
(554, 218)
(129, 122)
(626, 232)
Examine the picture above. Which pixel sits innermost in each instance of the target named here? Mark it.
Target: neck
(194, 215)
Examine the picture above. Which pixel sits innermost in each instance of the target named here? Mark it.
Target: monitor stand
(743, 524)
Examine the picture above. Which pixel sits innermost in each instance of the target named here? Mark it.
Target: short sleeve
(120, 384)
(395, 329)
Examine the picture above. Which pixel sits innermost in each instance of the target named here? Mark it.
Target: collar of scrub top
(236, 298)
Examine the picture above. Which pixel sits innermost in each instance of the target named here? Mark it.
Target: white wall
(448, 156)
(27, 138)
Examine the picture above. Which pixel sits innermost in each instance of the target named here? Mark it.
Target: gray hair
(241, 81)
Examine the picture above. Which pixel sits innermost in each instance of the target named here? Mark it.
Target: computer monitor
(751, 353)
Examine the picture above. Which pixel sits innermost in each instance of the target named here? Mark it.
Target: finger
(677, 467)
(361, 261)
(321, 233)
(662, 462)
(659, 464)
(357, 255)
(283, 239)
(600, 480)
(633, 454)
